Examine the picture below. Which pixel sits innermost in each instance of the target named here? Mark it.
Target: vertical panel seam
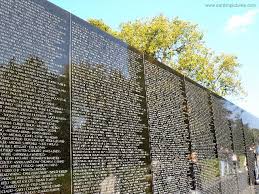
(70, 102)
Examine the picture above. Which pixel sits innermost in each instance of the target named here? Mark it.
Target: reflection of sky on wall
(34, 35)
(236, 112)
(78, 122)
(114, 55)
(118, 60)
(250, 120)
(104, 51)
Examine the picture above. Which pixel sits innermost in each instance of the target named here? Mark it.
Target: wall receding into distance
(83, 112)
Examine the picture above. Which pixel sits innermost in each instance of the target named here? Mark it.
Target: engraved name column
(109, 131)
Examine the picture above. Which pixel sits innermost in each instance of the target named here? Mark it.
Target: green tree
(100, 24)
(180, 45)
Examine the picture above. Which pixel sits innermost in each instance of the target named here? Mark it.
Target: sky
(231, 27)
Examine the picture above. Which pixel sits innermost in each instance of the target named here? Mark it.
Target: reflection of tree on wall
(30, 90)
(64, 131)
(145, 132)
(64, 127)
(238, 142)
(239, 147)
(250, 152)
(107, 115)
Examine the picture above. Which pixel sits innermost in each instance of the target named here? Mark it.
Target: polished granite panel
(203, 140)
(221, 120)
(168, 130)
(83, 112)
(110, 137)
(251, 129)
(34, 98)
(239, 146)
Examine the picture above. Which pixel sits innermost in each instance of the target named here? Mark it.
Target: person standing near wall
(195, 172)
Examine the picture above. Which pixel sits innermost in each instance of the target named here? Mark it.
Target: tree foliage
(100, 24)
(180, 45)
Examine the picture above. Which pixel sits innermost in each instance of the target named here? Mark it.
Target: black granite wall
(83, 112)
